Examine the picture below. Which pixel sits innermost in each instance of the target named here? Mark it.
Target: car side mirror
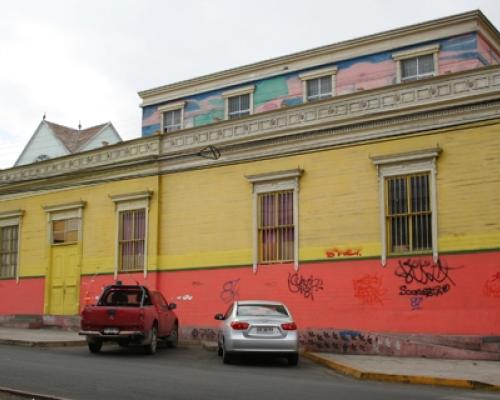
(172, 306)
(219, 317)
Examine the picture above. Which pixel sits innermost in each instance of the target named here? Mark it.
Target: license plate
(111, 331)
(265, 330)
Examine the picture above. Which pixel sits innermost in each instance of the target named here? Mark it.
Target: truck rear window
(124, 298)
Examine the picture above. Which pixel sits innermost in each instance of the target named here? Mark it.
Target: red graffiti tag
(369, 289)
(492, 286)
(336, 252)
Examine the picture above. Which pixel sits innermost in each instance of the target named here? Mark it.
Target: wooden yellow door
(64, 280)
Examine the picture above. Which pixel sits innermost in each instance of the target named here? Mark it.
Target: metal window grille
(65, 231)
(172, 120)
(9, 236)
(131, 240)
(417, 68)
(319, 88)
(238, 106)
(408, 214)
(276, 227)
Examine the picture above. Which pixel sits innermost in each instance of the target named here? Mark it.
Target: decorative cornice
(407, 108)
(275, 176)
(144, 195)
(422, 154)
(65, 207)
(11, 214)
(473, 21)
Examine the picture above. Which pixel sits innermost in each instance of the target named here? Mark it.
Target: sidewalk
(465, 374)
(40, 337)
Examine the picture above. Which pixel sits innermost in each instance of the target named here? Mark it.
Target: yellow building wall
(206, 215)
(99, 225)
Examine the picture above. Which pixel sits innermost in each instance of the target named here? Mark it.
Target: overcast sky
(85, 60)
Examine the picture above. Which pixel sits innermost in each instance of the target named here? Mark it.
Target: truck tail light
(239, 326)
(291, 326)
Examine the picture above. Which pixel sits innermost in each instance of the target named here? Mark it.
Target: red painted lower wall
(458, 295)
(23, 297)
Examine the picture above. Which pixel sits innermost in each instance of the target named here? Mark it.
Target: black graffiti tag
(424, 271)
(229, 291)
(305, 286)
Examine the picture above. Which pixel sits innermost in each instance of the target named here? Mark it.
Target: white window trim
(64, 211)
(238, 92)
(132, 201)
(273, 182)
(13, 218)
(412, 53)
(403, 164)
(179, 105)
(318, 73)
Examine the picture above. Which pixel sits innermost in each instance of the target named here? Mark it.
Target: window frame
(11, 219)
(317, 74)
(416, 162)
(275, 182)
(179, 105)
(61, 212)
(128, 202)
(246, 90)
(414, 53)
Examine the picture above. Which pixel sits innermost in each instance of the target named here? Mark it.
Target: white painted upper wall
(108, 134)
(43, 142)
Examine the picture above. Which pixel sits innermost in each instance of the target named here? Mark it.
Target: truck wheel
(173, 338)
(95, 345)
(151, 347)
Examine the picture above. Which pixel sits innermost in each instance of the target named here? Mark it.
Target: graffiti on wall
(416, 303)
(305, 286)
(229, 292)
(336, 252)
(368, 289)
(491, 287)
(435, 277)
(203, 334)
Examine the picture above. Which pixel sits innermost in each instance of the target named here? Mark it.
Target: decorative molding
(415, 52)
(65, 207)
(11, 214)
(172, 106)
(317, 73)
(238, 91)
(406, 108)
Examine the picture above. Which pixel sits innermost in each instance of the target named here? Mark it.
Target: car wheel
(95, 345)
(219, 351)
(293, 359)
(151, 347)
(226, 357)
(173, 338)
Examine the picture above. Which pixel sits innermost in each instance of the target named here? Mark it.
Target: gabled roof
(74, 139)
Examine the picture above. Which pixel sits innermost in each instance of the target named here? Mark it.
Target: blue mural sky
(85, 60)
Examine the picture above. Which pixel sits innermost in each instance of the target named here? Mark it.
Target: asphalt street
(191, 373)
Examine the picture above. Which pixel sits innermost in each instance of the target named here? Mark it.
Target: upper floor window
(172, 116)
(238, 102)
(408, 202)
(417, 63)
(276, 217)
(9, 243)
(319, 84)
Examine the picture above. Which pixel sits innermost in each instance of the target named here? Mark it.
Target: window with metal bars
(65, 230)
(408, 214)
(276, 227)
(238, 106)
(319, 88)
(131, 241)
(172, 120)
(417, 68)
(9, 236)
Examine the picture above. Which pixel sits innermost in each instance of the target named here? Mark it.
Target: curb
(413, 379)
(51, 343)
(30, 395)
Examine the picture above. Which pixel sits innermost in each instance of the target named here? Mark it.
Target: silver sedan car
(257, 326)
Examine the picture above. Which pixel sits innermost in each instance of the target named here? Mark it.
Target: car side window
(147, 299)
(229, 311)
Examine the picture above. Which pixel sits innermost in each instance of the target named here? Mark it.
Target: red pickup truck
(130, 315)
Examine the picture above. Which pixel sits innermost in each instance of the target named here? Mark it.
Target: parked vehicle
(256, 326)
(130, 315)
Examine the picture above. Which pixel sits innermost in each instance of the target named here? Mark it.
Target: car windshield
(121, 297)
(262, 310)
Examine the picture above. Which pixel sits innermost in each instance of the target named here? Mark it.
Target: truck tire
(95, 345)
(173, 338)
(151, 347)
